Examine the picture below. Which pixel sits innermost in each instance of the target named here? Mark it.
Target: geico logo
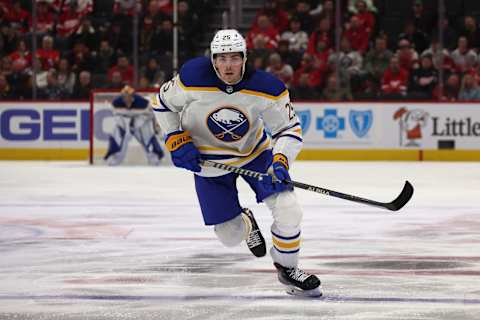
(51, 124)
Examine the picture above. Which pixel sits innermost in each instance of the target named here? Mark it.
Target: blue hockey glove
(280, 170)
(184, 153)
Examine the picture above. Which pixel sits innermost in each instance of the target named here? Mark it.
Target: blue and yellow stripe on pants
(286, 244)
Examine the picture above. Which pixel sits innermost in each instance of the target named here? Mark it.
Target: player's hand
(184, 153)
(280, 171)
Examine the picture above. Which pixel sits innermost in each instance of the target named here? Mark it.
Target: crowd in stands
(86, 44)
(296, 40)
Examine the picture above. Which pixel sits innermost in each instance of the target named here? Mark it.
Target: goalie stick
(395, 205)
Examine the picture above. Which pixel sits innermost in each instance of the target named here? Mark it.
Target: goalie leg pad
(231, 232)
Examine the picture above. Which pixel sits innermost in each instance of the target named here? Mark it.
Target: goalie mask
(228, 41)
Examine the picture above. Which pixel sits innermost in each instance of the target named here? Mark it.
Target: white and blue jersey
(229, 123)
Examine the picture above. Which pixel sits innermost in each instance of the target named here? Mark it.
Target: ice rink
(80, 242)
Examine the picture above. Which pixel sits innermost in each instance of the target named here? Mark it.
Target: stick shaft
(395, 205)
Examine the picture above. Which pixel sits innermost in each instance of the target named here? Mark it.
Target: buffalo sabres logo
(228, 124)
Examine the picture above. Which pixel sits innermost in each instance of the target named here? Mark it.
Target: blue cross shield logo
(330, 123)
(305, 117)
(360, 122)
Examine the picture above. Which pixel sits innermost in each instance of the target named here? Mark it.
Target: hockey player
(133, 117)
(226, 112)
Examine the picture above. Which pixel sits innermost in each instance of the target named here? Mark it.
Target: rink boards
(332, 131)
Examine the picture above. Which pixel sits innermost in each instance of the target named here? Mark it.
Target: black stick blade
(402, 198)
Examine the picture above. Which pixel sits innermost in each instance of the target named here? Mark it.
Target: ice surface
(81, 242)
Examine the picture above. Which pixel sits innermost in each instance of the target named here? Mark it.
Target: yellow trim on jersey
(260, 149)
(184, 87)
(286, 245)
(205, 148)
(264, 95)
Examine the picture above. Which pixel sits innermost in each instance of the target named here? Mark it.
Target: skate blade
(314, 293)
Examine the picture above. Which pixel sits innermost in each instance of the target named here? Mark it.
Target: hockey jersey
(231, 124)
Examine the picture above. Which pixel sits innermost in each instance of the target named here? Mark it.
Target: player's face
(229, 66)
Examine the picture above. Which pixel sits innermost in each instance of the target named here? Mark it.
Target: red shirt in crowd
(367, 19)
(127, 74)
(358, 39)
(48, 57)
(394, 82)
(270, 36)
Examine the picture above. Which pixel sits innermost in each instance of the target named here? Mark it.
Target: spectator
(357, 35)
(451, 89)
(81, 58)
(302, 13)
(292, 58)
(144, 83)
(334, 92)
(82, 7)
(449, 35)
(9, 37)
(21, 58)
(441, 59)
(116, 80)
(264, 31)
(469, 90)
(5, 90)
(349, 62)
(277, 67)
(324, 32)
(126, 70)
(150, 19)
(407, 56)
(120, 37)
(162, 40)
(423, 80)
(307, 77)
(87, 34)
(352, 5)
(470, 31)
(66, 78)
(126, 7)
(45, 18)
(47, 55)
(395, 80)
(325, 11)
(105, 57)
(378, 59)
(259, 53)
(18, 17)
(52, 91)
(188, 26)
(83, 86)
(297, 38)
(423, 20)
(418, 39)
(464, 57)
(41, 75)
(322, 53)
(152, 73)
(69, 21)
(365, 16)
(275, 13)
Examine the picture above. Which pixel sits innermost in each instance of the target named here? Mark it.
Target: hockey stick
(395, 205)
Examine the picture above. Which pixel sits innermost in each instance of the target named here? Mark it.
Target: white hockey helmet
(225, 41)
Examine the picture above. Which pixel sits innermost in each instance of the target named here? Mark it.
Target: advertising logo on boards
(360, 122)
(411, 124)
